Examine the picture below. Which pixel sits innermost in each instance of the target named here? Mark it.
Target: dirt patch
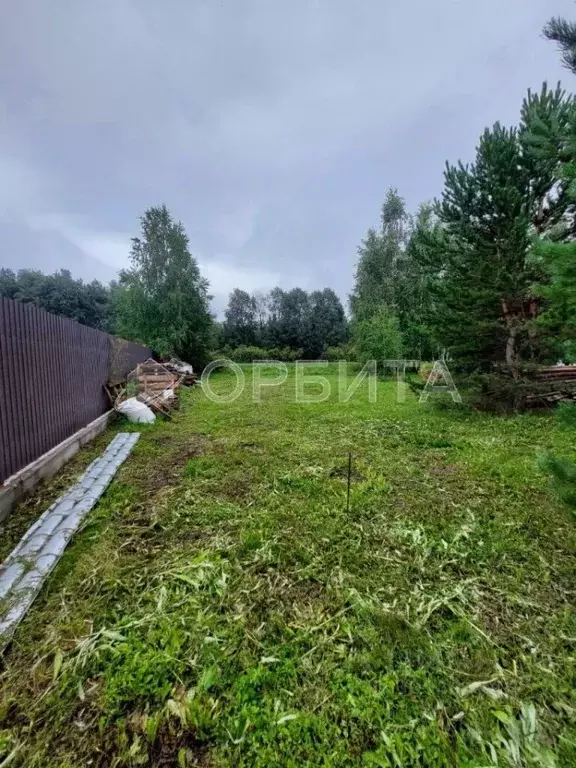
(162, 440)
(151, 480)
(165, 470)
(446, 469)
(220, 446)
(342, 473)
(196, 447)
(236, 487)
(168, 745)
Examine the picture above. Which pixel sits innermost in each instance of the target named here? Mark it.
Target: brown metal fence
(52, 376)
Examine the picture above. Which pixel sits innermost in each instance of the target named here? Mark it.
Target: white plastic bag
(180, 366)
(136, 411)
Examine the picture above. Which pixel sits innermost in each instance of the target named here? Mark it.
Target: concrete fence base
(20, 484)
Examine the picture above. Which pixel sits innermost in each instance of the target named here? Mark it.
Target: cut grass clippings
(221, 608)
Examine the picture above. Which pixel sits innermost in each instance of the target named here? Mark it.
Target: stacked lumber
(152, 384)
(154, 378)
(557, 373)
(558, 383)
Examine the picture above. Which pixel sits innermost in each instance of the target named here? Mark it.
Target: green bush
(285, 354)
(341, 352)
(247, 354)
(241, 354)
(378, 338)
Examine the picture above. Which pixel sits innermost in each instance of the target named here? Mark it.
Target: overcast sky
(271, 129)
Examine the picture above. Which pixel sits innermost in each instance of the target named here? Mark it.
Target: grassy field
(221, 607)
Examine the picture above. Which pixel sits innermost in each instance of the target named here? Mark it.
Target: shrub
(341, 352)
(243, 354)
(378, 338)
(247, 354)
(285, 354)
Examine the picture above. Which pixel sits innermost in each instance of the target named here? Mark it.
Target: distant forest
(485, 275)
(60, 293)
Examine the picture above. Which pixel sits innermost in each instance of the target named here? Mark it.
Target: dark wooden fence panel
(125, 356)
(52, 376)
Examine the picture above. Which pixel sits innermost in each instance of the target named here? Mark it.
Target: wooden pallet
(153, 377)
(149, 383)
(153, 381)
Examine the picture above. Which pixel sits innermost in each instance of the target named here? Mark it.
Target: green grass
(221, 608)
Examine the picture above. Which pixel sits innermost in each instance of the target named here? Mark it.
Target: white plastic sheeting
(26, 568)
(136, 411)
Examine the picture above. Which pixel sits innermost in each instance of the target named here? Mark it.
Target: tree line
(61, 294)
(306, 323)
(160, 301)
(485, 275)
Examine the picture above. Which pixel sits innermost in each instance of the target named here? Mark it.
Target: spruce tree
(486, 304)
(558, 316)
(484, 297)
(552, 139)
(564, 33)
(547, 139)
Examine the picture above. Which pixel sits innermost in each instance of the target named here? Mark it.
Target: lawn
(222, 607)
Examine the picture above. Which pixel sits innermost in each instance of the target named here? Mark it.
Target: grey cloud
(272, 130)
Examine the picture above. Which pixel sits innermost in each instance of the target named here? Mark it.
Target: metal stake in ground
(348, 488)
